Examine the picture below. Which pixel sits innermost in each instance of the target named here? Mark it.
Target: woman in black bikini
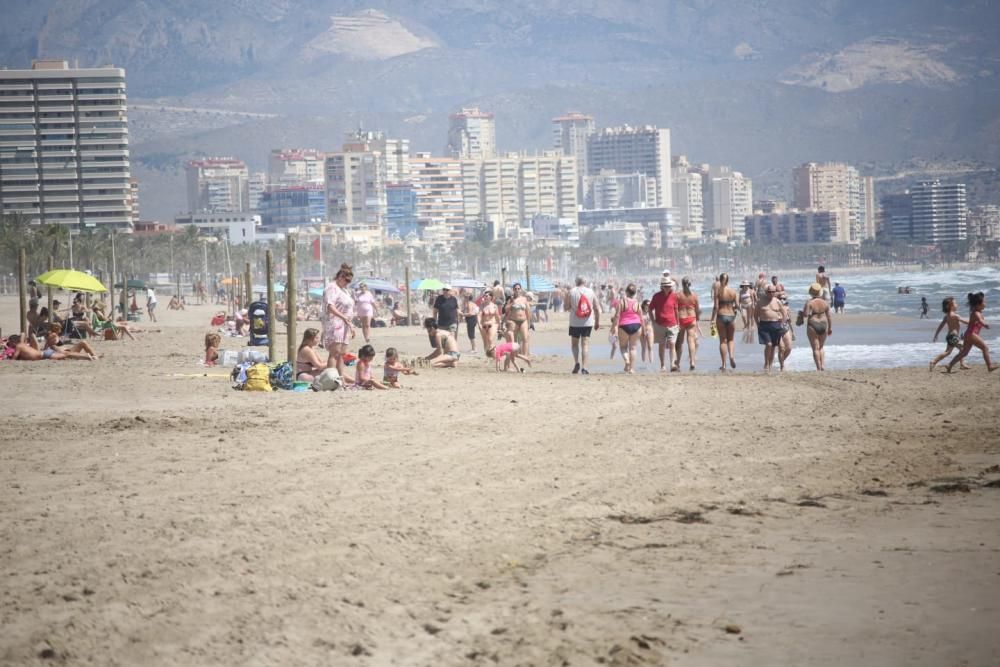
(307, 363)
(724, 314)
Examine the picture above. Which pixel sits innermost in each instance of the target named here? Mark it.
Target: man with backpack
(584, 317)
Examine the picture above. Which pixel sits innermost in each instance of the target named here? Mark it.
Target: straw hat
(815, 289)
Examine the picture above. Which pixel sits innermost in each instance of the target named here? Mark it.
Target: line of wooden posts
(239, 285)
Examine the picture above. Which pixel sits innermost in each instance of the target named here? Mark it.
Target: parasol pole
(22, 287)
(407, 286)
(290, 294)
(269, 270)
(48, 288)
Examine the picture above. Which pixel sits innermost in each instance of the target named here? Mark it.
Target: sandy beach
(151, 515)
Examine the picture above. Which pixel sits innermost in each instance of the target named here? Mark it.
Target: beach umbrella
(131, 283)
(539, 284)
(73, 281)
(228, 281)
(427, 284)
(376, 285)
(467, 283)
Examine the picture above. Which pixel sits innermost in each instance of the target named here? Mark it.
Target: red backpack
(583, 309)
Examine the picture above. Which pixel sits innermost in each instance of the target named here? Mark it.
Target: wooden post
(249, 285)
(52, 263)
(527, 276)
(409, 318)
(290, 296)
(22, 287)
(503, 279)
(269, 270)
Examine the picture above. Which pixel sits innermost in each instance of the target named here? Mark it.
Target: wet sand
(151, 515)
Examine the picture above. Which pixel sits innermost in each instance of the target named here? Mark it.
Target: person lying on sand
(79, 351)
(29, 351)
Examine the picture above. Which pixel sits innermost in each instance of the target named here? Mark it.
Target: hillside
(761, 86)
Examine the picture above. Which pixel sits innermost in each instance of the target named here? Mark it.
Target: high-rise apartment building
(570, 134)
(834, 185)
(727, 198)
(812, 226)
(472, 134)
(437, 183)
(507, 192)
(64, 156)
(395, 152)
(611, 189)
(218, 184)
(688, 199)
(896, 217)
(290, 167)
(293, 206)
(356, 196)
(629, 150)
(256, 186)
(940, 212)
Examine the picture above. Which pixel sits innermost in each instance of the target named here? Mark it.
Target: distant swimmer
(924, 307)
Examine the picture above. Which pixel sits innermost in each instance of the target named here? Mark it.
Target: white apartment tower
(570, 134)
(438, 184)
(356, 195)
(395, 153)
(64, 156)
(628, 150)
(939, 212)
(687, 198)
(472, 134)
(727, 197)
(218, 184)
(832, 186)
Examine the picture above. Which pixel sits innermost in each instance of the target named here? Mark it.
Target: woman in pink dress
(367, 309)
(339, 311)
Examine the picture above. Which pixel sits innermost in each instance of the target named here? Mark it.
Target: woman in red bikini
(689, 311)
(977, 303)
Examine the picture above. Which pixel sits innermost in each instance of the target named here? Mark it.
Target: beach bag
(583, 308)
(328, 380)
(218, 319)
(282, 376)
(251, 357)
(258, 378)
(800, 319)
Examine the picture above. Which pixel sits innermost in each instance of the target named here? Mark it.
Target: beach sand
(149, 514)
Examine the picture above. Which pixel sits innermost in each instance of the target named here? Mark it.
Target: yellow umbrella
(74, 281)
(228, 281)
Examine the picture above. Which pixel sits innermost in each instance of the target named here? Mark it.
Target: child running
(363, 375)
(953, 339)
(977, 303)
(392, 368)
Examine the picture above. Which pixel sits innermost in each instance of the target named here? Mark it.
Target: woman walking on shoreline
(819, 324)
(689, 311)
(626, 323)
(724, 315)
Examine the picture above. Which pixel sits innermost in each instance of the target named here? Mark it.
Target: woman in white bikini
(489, 321)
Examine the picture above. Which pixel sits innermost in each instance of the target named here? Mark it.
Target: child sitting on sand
(954, 323)
(363, 376)
(212, 342)
(392, 368)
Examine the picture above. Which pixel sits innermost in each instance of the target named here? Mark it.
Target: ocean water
(852, 345)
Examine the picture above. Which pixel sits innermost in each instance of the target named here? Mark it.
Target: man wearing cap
(446, 310)
(666, 322)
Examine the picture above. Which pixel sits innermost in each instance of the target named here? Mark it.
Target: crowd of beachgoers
(644, 329)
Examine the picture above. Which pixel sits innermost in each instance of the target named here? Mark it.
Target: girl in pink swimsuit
(977, 303)
(366, 310)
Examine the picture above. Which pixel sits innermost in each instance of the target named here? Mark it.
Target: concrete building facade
(796, 226)
(570, 134)
(939, 212)
(836, 185)
(64, 151)
(472, 134)
(356, 196)
(629, 150)
(688, 200)
(291, 167)
(217, 184)
(437, 184)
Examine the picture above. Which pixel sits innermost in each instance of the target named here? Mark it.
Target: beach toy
(300, 386)
(713, 331)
